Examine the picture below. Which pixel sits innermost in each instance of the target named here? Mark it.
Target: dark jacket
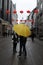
(15, 38)
(23, 39)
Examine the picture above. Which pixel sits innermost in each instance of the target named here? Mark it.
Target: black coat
(23, 39)
(15, 38)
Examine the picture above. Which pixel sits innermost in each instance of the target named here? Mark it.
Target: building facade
(0, 7)
(14, 15)
(39, 18)
(4, 17)
(6, 5)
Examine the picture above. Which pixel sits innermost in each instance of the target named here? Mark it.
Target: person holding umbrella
(23, 45)
(15, 40)
(23, 31)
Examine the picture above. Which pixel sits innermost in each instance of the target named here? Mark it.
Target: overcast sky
(24, 5)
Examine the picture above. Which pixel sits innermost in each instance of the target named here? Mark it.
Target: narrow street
(34, 53)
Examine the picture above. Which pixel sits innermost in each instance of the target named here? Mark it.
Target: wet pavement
(34, 53)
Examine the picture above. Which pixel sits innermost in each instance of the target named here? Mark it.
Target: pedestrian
(32, 35)
(15, 40)
(22, 45)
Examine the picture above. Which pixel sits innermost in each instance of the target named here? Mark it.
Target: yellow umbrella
(22, 30)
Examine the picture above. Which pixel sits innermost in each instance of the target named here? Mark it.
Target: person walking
(15, 40)
(22, 45)
(32, 35)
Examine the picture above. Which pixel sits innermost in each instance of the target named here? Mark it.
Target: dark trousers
(14, 46)
(22, 45)
(32, 38)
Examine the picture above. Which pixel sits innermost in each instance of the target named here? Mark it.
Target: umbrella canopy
(22, 30)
